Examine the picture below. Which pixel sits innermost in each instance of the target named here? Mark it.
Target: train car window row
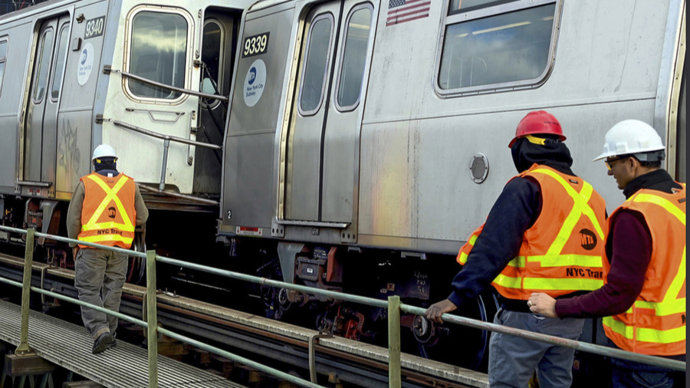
(314, 77)
(354, 57)
(43, 65)
(158, 52)
(3, 59)
(494, 45)
(60, 63)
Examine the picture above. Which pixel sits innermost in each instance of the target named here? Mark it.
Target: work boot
(103, 342)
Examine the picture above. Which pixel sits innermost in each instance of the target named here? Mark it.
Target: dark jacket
(515, 211)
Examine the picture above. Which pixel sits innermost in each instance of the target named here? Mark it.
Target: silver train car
(367, 135)
(146, 77)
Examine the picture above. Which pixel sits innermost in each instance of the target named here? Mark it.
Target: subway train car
(138, 75)
(367, 139)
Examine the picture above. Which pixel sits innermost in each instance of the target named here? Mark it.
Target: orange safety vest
(563, 251)
(108, 211)
(655, 324)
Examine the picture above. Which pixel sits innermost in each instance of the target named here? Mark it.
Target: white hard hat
(630, 137)
(103, 151)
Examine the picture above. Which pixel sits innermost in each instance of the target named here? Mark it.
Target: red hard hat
(538, 122)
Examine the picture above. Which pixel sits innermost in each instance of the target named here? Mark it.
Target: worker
(543, 233)
(105, 207)
(643, 300)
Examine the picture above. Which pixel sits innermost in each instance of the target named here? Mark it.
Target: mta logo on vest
(588, 239)
(111, 212)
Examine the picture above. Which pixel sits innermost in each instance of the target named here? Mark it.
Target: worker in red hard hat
(546, 222)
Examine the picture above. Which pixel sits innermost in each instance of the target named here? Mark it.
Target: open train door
(38, 162)
(218, 47)
(323, 136)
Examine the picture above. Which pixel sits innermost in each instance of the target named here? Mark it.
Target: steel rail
(240, 359)
(592, 348)
(584, 346)
(107, 69)
(333, 354)
(77, 302)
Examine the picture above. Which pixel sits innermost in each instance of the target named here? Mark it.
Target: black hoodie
(515, 211)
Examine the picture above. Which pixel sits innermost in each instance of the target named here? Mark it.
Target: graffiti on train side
(70, 156)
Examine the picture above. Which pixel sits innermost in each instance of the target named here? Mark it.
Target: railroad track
(281, 345)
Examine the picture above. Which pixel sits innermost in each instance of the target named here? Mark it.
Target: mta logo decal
(588, 239)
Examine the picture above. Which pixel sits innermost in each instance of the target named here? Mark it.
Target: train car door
(323, 136)
(40, 147)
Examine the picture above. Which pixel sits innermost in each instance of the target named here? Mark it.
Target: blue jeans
(513, 360)
(630, 374)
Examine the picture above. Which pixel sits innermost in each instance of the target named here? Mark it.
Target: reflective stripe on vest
(111, 195)
(117, 232)
(553, 259)
(660, 330)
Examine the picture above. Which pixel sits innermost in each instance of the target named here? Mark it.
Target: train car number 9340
(255, 45)
(94, 27)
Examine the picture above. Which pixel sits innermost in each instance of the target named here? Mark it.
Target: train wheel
(454, 344)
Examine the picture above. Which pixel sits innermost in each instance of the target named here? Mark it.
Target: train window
(497, 45)
(158, 52)
(354, 57)
(211, 52)
(3, 59)
(43, 65)
(60, 64)
(315, 64)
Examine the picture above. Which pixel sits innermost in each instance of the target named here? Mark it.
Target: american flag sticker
(401, 11)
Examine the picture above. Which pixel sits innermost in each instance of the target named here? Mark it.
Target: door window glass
(3, 59)
(43, 65)
(315, 64)
(60, 64)
(158, 53)
(210, 54)
(354, 58)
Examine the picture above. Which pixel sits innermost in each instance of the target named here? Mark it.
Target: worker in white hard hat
(643, 300)
(105, 208)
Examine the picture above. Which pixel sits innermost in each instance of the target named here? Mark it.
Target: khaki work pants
(99, 277)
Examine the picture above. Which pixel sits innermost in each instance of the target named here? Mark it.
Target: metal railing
(107, 69)
(166, 150)
(393, 306)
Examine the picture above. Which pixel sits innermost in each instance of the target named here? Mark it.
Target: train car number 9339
(255, 45)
